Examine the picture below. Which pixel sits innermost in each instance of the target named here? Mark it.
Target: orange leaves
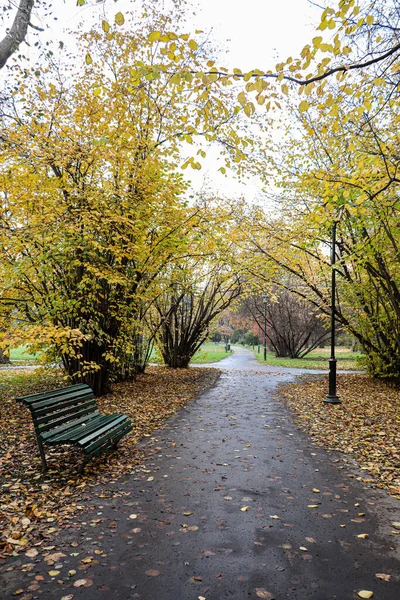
(31, 506)
(365, 425)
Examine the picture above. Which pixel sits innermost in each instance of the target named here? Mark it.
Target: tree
(294, 328)
(92, 215)
(184, 314)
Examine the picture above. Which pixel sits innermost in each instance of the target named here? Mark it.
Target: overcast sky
(250, 34)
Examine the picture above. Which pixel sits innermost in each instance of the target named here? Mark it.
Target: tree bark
(17, 33)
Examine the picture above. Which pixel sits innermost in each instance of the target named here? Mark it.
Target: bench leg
(43, 457)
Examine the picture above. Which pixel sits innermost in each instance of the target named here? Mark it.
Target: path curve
(226, 509)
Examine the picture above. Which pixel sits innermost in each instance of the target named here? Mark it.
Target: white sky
(250, 34)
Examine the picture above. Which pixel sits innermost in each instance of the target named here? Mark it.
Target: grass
(208, 353)
(317, 359)
(21, 354)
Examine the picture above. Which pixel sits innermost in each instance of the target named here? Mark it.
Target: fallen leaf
(396, 524)
(152, 572)
(69, 597)
(303, 548)
(262, 593)
(312, 505)
(133, 516)
(315, 490)
(274, 517)
(54, 573)
(244, 508)
(31, 553)
(363, 536)
(365, 594)
(187, 513)
(383, 576)
(80, 582)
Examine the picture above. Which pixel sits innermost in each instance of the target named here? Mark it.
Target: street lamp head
(265, 298)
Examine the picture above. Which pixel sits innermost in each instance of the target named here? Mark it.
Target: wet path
(226, 509)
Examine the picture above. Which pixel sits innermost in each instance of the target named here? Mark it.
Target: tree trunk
(17, 33)
(4, 358)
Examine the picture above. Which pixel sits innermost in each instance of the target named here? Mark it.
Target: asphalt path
(233, 502)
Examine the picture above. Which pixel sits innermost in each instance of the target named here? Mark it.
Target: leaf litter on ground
(34, 506)
(365, 425)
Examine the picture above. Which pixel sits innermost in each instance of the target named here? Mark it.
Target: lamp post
(259, 336)
(265, 326)
(332, 397)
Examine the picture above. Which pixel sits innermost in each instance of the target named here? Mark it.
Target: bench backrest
(56, 407)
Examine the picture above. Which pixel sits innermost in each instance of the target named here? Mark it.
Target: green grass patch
(210, 353)
(317, 359)
(21, 354)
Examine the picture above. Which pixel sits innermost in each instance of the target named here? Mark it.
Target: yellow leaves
(285, 89)
(244, 509)
(105, 26)
(88, 59)
(365, 594)
(119, 18)
(317, 41)
(242, 98)
(193, 45)
(303, 106)
(154, 36)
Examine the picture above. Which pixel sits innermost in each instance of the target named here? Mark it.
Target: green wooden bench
(70, 416)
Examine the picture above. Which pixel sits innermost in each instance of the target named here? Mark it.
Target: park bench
(70, 415)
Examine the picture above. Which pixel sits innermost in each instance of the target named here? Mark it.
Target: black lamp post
(332, 397)
(265, 326)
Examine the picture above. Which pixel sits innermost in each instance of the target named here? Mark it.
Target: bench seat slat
(89, 438)
(67, 426)
(79, 431)
(111, 442)
(79, 413)
(111, 437)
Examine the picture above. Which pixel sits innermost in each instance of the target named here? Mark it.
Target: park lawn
(21, 354)
(365, 425)
(33, 506)
(317, 359)
(208, 353)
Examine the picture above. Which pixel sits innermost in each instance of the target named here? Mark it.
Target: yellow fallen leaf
(274, 517)
(312, 505)
(133, 516)
(303, 548)
(187, 514)
(244, 508)
(365, 594)
(315, 490)
(54, 573)
(363, 536)
(383, 576)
